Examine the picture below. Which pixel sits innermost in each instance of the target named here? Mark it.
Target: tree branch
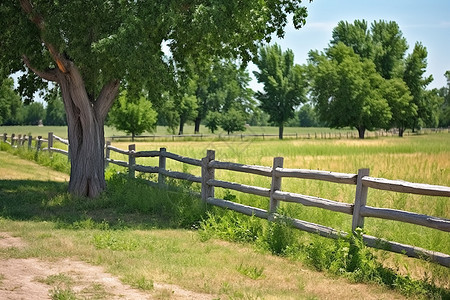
(49, 75)
(106, 98)
(62, 63)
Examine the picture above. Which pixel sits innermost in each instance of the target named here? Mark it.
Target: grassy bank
(424, 159)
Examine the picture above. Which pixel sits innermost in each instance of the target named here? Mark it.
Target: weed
(144, 284)
(115, 241)
(351, 258)
(252, 272)
(62, 287)
(230, 226)
(62, 294)
(279, 235)
(95, 291)
(60, 279)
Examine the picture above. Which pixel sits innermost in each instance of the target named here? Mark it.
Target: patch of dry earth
(24, 279)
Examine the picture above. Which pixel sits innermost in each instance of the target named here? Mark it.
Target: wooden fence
(359, 209)
(309, 135)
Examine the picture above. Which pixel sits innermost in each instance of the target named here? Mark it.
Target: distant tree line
(15, 112)
(363, 80)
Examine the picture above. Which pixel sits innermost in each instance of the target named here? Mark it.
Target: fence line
(310, 135)
(359, 209)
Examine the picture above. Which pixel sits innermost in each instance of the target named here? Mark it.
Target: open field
(61, 131)
(60, 246)
(421, 159)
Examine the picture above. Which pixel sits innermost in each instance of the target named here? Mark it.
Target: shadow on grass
(126, 204)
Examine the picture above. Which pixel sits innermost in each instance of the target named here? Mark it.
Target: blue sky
(420, 21)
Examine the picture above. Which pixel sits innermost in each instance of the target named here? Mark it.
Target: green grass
(313, 132)
(119, 225)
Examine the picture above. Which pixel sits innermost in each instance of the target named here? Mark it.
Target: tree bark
(361, 132)
(180, 131)
(401, 130)
(85, 117)
(280, 131)
(85, 132)
(197, 125)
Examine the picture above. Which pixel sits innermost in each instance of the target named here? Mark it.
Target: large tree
(221, 86)
(415, 79)
(347, 90)
(382, 42)
(444, 92)
(133, 114)
(9, 102)
(89, 47)
(284, 84)
(400, 102)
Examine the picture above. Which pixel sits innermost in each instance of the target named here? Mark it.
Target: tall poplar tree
(284, 84)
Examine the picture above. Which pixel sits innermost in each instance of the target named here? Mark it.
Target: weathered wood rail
(314, 134)
(19, 141)
(359, 210)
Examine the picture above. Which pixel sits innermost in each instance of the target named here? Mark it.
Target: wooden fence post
(30, 140)
(360, 199)
(107, 153)
(50, 142)
(276, 184)
(207, 174)
(162, 166)
(131, 160)
(12, 139)
(39, 143)
(5, 137)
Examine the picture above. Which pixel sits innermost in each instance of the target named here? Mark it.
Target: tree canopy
(90, 47)
(346, 90)
(134, 116)
(9, 102)
(284, 84)
(363, 79)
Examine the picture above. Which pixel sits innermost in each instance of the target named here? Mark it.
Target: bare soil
(29, 279)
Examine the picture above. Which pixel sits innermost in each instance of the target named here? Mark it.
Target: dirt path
(32, 278)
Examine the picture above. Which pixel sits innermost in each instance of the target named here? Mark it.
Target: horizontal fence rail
(313, 134)
(359, 209)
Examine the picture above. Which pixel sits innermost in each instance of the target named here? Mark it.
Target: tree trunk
(132, 136)
(401, 130)
(197, 125)
(280, 131)
(361, 132)
(180, 131)
(85, 117)
(85, 122)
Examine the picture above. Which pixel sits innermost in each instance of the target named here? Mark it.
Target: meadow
(420, 159)
(415, 158)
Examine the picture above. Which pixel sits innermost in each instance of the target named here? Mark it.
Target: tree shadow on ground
(49, 201)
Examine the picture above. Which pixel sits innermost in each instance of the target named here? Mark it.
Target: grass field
(61, 131)
(135, 247)
(422, 159)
